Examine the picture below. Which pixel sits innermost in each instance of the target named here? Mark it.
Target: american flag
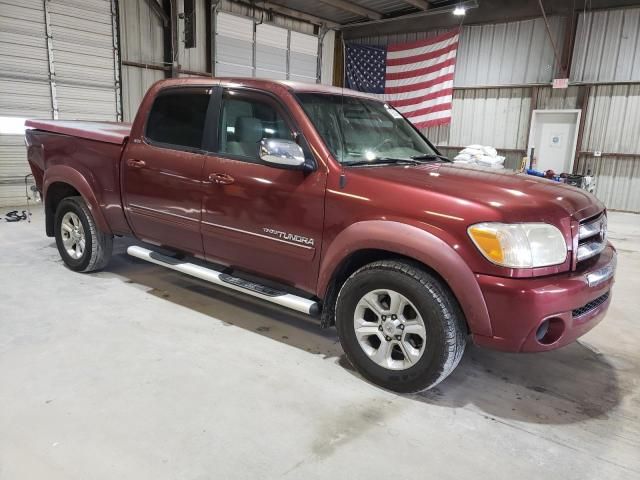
(416, 78)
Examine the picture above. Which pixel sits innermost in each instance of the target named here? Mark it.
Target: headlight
(519, 245)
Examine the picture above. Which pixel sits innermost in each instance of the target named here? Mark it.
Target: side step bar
(263, 292)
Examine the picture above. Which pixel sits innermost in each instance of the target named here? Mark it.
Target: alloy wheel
(389, 329)
(73, 236)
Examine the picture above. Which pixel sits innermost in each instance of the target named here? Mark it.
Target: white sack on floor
(481, 156)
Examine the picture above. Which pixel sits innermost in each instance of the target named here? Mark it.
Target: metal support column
(288, 67)
(253, 46)
(214, 29)
(584, 93)
(321, 34)
(115, 33)
(52, 70)
(175, 61)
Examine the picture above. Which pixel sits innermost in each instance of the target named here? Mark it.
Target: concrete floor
(138, 372)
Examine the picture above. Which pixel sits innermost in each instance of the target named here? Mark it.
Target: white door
(553, 135)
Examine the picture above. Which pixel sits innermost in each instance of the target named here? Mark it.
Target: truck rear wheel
(82, 246)
(400, 326)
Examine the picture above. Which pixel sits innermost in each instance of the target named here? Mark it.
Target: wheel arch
(62, 181)
(369, 241)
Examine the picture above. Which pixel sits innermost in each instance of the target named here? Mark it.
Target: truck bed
(110, 132)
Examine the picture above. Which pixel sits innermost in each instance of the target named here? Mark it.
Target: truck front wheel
(400, 326)
(82, 246)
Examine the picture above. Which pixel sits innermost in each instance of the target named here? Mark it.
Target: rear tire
(82, 247)
(400, 326)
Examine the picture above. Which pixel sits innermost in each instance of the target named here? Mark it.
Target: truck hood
(518, 197)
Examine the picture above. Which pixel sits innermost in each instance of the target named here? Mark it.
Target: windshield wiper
(430, 156)
(382, 161)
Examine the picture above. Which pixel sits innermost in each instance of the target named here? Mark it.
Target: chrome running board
(263, 292)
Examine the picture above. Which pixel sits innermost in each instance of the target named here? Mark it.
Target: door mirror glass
(281, 153)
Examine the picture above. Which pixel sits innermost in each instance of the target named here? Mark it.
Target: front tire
(82, 247)
(400, 326)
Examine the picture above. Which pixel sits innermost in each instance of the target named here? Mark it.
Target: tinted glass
(357, 129)
(177, 117)
(244, 121)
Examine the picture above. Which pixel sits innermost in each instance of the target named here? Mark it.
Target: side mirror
(281, 153)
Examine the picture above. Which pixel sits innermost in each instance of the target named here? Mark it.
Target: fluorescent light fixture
(459, 11)
(12, 125)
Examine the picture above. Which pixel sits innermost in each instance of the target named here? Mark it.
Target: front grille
(592, 237)
(589, 307)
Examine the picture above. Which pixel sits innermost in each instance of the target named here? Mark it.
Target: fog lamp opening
(550, 331)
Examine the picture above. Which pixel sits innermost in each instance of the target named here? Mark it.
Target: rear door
(256, 217)
(163, 170)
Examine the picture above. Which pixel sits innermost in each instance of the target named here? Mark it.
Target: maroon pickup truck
(329, 202)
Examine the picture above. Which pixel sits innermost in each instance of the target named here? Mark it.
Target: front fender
(416, 243)
(70, 176)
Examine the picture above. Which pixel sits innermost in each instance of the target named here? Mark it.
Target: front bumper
(538, 314)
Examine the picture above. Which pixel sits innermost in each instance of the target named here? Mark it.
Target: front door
(163, 171)
(553, 135)
(258, 218)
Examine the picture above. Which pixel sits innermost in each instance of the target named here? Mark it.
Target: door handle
(134, 163)
(221, 178)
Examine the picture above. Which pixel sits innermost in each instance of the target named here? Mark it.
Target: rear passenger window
(177, 117)
(245, 121)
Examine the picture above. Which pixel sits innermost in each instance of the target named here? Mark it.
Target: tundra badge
(289, 236)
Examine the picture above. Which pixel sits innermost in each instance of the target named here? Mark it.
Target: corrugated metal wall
(491, 116)
(499, 117)
(245, 47)
(612, 127)
(557, 98)
(612, 121)
(607, 46)
(617, 180)
(24, 68)
(141, 33)
(514, 53)
(24, 86)
(279, 20)
(303, 56)
(80, 52)
(141, 41)
(194, 59)
(271, 51)
(233, 45)
(83, 52)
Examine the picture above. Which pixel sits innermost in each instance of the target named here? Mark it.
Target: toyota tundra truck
(329, 202)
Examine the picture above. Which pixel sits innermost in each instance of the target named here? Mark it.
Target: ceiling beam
(155, 6)
(353, 8)
(419, 4)
(467, 4)
(289, 12)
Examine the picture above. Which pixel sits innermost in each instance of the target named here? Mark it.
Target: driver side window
(244, 121)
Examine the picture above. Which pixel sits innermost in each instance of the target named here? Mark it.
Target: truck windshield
(362, 131)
